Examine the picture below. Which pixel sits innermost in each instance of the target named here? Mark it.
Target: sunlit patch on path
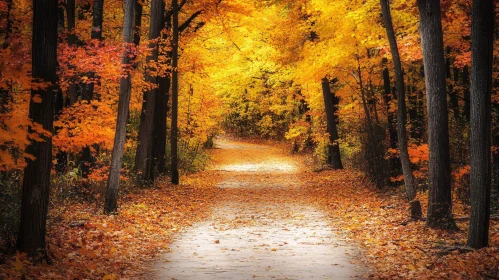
(262, 227)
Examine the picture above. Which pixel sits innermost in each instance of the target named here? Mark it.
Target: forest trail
(262, 227)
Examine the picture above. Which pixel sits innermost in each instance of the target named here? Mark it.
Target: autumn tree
(410, 189)
(110, 205)
(36, 180)
(482, 45)
(439, 173)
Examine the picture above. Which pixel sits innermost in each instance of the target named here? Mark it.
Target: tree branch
(188, 22)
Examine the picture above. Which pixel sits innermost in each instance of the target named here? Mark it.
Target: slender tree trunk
(138, 22)
(174, 128)
(36, 182)
(439, 199)
(482, 45)
(410, 189)
(88, 89)
(143, 158)
(334, 157)
(111, 203)
(97, 19)
(387, 94)
(71, 22)
(374, 148)
(453, 100)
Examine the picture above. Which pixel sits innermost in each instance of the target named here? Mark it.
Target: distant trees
(36, 179)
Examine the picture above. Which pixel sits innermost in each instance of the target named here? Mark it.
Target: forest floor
(256, 212)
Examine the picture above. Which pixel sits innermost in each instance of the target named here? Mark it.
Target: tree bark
(97, 19)
(111, 202)
(410, 189)
(482, 45)
(174, 126)
(466, 84)
(138, 22)
(334, 157)
(143, 158)
(439, 199)
(36, 180)
(392, 131)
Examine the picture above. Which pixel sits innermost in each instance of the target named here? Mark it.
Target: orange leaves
(395, 248)
(88, 245)
(419, 154)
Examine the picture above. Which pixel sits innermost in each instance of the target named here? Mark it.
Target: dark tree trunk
(387, 94)
(71, 22)
(495, 154)
(333, 157)
(138, 22)
(143, 157)
(482, 44)
(111, 203)
(161, 110)
(453, 98)
(97, 20)
(439, 199)
(174, 128)
(36, 182)
(160, 127)
(466, 85)
(410, 189)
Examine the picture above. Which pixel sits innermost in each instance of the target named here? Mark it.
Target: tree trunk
(143, 157)
(439, 199)
(410, 189)
(88, 88)
(466, 84)
(174, 128)
(392, 131)
(138, 22)
(453, 100)
(36, 182)
(111, 203)
(482, 45)
(333, 157)
(97, 20)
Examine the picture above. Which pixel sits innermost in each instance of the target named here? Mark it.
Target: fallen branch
(489, 276)
(449, 249)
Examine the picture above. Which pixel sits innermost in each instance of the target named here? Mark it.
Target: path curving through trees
(263, 227)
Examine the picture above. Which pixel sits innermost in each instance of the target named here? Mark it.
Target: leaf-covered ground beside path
(85, 244)
(395, 248)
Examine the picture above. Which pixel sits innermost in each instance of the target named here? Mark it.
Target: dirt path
(263, 227)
